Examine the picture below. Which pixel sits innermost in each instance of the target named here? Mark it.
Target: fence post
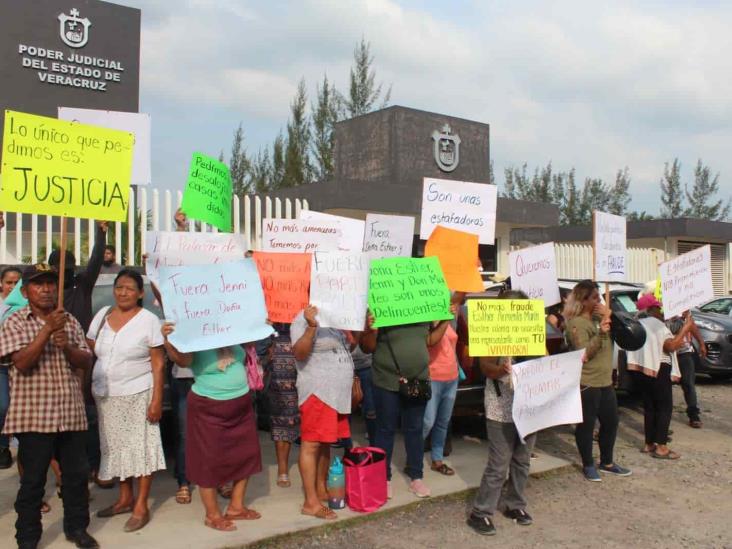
(248, 221)
(77, 239)
(236, 213)
(34, 239)
(49, 236)
(277, 208)
(131, 229)
(156, 210)
(257, 223)
(19, 237)
(143, 221)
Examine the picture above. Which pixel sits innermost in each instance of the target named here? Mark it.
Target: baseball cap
(38, 270)
(647, 301)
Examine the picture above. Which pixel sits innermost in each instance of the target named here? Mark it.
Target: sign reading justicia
(72, 53)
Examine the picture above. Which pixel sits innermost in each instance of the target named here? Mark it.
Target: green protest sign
(207, 196)
(405, 290)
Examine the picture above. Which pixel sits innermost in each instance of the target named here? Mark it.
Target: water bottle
(336, 485)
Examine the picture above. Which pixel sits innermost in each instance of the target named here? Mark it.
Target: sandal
(245, 514)
(220, 523)
(443, 469)
(183, 495)
(668, 455)
(323, 513)
(646, 450)
(45, 507)
(283, 481)
(225, 490)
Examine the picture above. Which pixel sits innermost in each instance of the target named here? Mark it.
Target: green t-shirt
(585, 334)
(212, 383)
(409, 343)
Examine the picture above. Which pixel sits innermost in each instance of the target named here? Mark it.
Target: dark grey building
(382, 157)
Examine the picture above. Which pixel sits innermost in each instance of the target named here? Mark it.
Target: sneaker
(591, 473)
(616, 469)
(696, 423)
(6, 458)
(482, 525)
(519, 516)
(388, 489)
(419, 488)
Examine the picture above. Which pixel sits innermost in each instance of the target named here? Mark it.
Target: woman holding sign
(588, 328)
(324, 383)
(221, 433)
(127, 384)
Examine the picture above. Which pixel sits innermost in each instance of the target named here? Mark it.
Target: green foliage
(671, 192)
(239, 164)
(701, 196)
(297, 159)
(325, 115)
(363, 92)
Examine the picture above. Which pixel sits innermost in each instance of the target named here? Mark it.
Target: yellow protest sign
(506, 327)
(55, 167)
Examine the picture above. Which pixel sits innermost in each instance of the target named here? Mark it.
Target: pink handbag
(255, 377)
(365, 478)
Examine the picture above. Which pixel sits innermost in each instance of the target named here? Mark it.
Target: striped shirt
(48, 399)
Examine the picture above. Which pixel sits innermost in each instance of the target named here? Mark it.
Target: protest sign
(534, 272)
(285, 280)
(138, 124)
(299, 235)
(214, 305)
(55, 167)
(407, 290)
(207, 196)
(339, 286)
(506, 327)
(388, 235)
(469, 207)
(351, 230)
(686, 281)
(458, 255)
(174, 249)
(546, 392)
(608, 241)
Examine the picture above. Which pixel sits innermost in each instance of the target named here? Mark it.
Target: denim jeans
(688, 384)
(35, 451)
(390, 406)
(179, 388)
(368, 409)
(437, 415)
(4, 404)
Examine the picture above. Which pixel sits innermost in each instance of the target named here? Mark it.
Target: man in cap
(46, 414)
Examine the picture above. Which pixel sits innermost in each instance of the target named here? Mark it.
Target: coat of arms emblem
(446, 148)
(74, 30)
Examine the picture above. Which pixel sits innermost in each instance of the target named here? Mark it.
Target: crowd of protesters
(87, 391)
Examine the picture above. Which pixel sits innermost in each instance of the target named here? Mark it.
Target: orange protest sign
(285, 280)
(458, 255)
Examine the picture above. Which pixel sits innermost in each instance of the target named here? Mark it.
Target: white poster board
(351, 229)
(299, 235)
(176, 249)
(469, 207)
(136, 123)
(686, 281)
(388, 236)
(610, 247)
(339, 285)
(534, 271)
(547, 392)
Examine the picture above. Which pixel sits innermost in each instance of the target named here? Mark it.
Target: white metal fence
(149, 209)
(575, 261)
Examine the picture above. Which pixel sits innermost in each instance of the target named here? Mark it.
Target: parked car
(714, 320)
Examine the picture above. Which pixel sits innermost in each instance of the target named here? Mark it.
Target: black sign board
(68, 53)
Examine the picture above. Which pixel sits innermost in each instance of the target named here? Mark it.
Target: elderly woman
(221, 433)
(588, 328)
(127, 384)
(654, 367)
(324, 382)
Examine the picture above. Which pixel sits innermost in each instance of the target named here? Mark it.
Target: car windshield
(720, 306)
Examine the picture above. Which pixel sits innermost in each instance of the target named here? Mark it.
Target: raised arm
(304, 345)
(184, 360)
(368, 337)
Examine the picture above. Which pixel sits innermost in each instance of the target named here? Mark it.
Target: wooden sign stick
(62, 265)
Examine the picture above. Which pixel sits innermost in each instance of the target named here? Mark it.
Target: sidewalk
(176, 526)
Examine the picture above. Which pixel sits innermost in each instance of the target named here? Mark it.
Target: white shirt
(123, 364)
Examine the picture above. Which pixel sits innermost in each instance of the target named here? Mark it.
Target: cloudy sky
(598, 88)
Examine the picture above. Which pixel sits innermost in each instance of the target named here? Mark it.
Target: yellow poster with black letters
(55, 167)
(506, 327)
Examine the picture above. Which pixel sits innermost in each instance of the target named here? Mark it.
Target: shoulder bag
(412, 389)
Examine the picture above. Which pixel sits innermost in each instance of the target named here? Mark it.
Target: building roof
(683, 227)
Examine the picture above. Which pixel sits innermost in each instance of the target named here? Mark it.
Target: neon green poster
(207, 196)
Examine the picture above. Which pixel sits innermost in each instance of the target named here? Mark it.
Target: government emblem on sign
(446, 149)
(74, 30)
